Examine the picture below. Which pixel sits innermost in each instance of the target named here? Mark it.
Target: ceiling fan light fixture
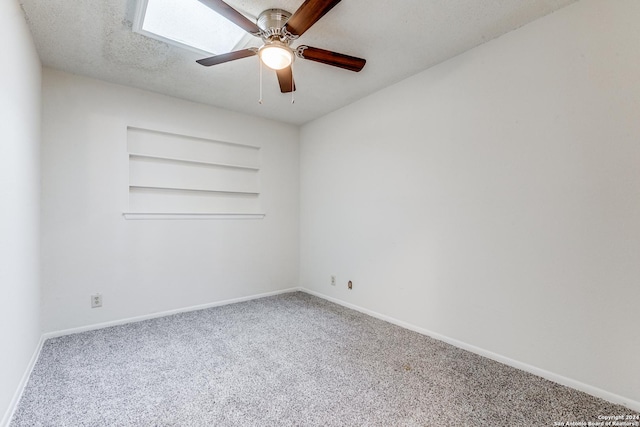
(278, 28)
(276, 55)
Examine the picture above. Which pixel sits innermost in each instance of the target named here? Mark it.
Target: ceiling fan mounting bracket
(288, 35)
(299, 51)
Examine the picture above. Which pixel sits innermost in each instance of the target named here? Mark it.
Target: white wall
(19, 198)
(144, 267)
(495, 198)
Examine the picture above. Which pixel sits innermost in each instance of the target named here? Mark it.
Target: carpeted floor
(292, 359)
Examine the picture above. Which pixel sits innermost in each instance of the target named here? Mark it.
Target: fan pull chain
(260, 100)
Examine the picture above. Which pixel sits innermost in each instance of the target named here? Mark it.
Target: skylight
(188, 24)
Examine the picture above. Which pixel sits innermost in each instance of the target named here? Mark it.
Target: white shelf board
(197, 190)
(196, 162)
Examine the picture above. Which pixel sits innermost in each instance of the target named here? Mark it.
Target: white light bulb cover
(276, 55)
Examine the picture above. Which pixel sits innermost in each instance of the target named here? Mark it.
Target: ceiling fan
(278, 28)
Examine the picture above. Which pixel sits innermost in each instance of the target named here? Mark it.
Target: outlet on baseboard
(96, 300)
(333, 280)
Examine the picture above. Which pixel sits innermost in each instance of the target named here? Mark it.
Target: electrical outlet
(96, 300)
(333, 280)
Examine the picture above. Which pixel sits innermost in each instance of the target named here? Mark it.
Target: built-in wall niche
(175, 176)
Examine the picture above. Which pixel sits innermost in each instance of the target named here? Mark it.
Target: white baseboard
(95, 326)
(594, 391)
(577, 385)
(21, 386)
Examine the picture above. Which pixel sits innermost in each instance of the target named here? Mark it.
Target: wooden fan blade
(232, 15)
(226, 57)
(328, 57)
(285, 78)
(308, 14)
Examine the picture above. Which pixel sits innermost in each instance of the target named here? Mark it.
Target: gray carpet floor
(288, 360)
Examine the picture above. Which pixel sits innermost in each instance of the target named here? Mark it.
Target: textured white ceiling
(398, 39)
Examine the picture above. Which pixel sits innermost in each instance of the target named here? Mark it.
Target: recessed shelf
(182, 177)
(193, 162)
(197, 190)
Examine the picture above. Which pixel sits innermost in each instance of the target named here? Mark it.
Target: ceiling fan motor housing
(271, 22)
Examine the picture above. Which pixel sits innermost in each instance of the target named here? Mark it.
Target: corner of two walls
(494, 199)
